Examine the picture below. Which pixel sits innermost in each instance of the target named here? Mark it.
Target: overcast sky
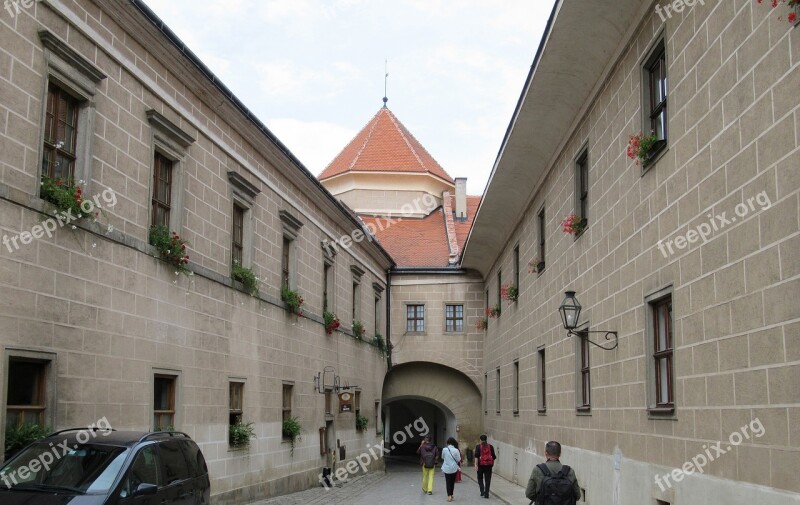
(313, 70)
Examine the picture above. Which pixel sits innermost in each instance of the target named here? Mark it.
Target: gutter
(247, 113)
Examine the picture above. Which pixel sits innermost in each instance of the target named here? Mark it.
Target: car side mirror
(145, 489)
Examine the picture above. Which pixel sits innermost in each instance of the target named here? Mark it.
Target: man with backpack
(484, 461)
(552, 483)
(428, 454)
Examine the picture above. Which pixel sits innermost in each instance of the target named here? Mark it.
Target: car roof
(87, 436)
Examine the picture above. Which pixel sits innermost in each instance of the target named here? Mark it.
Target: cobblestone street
(399, 486)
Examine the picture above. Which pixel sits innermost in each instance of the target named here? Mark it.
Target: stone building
(691, 256)
(96, 325)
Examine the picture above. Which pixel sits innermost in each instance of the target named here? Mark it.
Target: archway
(419, 397)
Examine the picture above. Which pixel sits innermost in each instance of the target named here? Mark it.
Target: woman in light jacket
(451, 457)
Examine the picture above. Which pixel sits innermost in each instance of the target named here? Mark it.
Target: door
(145, 469)
(176, 474)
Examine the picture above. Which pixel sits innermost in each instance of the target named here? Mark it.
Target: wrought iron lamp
(570, 311)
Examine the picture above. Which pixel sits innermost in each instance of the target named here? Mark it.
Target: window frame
(168, 141)
(51, 142)
(582, 186)
(49, 360)
(243, 195)
(542, 225)
(172, 402)
(237, 234)
(417, 309)
(515, 257)
(235, 383)
(541, 389)
(583, 367)
(291, 231)
(161, 165)
(657, 53)
(78, 78)
(286, 403)
(497, 399)
(515, 379)
(655, 408)
(455, 319)
(499, 289)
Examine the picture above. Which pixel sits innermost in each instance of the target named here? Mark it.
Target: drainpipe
(389, 318)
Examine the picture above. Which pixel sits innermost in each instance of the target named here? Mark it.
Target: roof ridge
(395, 121)
(366, 141)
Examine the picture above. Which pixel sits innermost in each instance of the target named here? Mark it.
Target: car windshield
(49, 467)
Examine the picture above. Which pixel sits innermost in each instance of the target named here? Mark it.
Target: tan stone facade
(105, 321)
(733, 152)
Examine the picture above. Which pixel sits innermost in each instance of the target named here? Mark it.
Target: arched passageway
(422, 397)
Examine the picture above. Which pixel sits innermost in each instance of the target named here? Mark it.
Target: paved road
(401, 485)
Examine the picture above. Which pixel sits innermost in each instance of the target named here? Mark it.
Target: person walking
(461, 455)
(428, 454)
(484, 461)
(451, 457)
(551, 482)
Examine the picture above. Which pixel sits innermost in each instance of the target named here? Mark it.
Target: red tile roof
(415, 242)
(384, 145)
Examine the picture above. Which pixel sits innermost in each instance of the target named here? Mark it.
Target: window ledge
(238, 448)
(659, 153)
(667, 413)
(583, 411)
(416, 333)
(542, 412)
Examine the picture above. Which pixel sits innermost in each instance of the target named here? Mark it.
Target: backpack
(429, 459)
(556, 489)
(486, 458)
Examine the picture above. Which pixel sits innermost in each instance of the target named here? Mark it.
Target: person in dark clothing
(552, 452)
(484, 461)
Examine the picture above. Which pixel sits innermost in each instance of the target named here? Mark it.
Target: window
(378, 423)
(542, 239)
(662, 353)
(655, 95)
(285, 260)
(27, 392)
(287, 401)
(291, 230)
(497, 391)
(377, 315)
(516, 267)
(516, 386)
(67, 117)
(582, 186)
(162, 191)
(356, 300)
(584, 393)
(486, 393)
(357, 405)
(415, 318)
(542, 382)
(326, 275)
(60, 134)
(235, 402)
(454, 318)
(164, 402)
(237, 242)
(499, 287)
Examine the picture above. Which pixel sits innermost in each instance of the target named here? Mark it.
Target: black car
(94, 467)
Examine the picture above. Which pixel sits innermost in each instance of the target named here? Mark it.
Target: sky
(313, 70)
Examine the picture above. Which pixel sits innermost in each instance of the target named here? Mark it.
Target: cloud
(289, 80)
(315, 143)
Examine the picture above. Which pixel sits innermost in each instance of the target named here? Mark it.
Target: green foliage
(378, 342)
(65, 195)
(361, 422)
(292, 430)
(358, 329)
(246, 276)
(171, 248)
(293, 301)
(168, 428)
(18, 437)
(239, 434)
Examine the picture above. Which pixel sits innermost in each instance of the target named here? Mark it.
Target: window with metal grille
(237, 241)
(60, 134)
(162, 190)
(663, 353)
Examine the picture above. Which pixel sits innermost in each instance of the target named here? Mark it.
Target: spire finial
(385, 81)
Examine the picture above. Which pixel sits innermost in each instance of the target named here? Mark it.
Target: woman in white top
(451, 457)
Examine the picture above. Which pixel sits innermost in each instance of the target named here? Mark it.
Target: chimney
(461, 198)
